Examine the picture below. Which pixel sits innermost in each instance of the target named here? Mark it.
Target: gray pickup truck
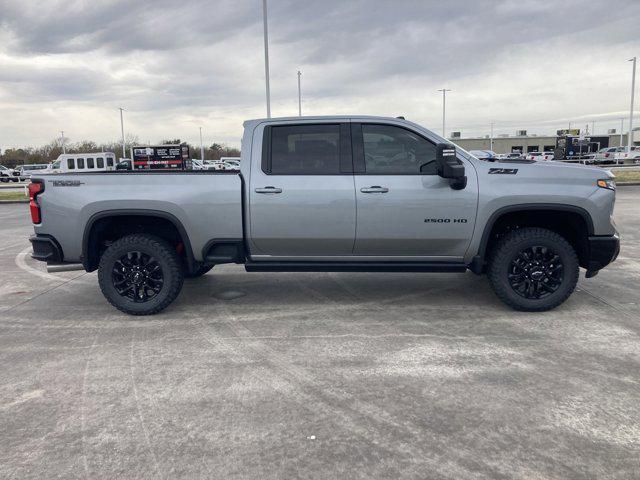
(332, 193)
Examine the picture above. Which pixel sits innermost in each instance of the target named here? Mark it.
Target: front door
(403, 207)
(302, 200)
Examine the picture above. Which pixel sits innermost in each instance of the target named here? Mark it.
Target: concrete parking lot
(318, 375)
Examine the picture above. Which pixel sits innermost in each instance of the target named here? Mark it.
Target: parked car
(232, 165)
(214, 165)
(509, 156)
(335, 193)
(621, 154)
(605, 155)
(25, 171)
(8, 175)
(484, 154)
(124, 164)
(547, 156)
(533, 156)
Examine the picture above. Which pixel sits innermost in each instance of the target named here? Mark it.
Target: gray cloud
(201, 61)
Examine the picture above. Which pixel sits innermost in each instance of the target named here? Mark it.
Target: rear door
(302, 199)
(403, 207)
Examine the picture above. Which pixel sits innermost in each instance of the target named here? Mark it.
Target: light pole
(299, 95)
(621, 129)
(124, 153)
(491, 142)
(201, 146)
(64, 150)
(444, 103)
(266, 56)
(633, 87)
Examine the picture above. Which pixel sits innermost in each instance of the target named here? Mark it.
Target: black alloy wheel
(137, 276)
(536, 272)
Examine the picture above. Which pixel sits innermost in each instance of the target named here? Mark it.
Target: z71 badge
(503, 171)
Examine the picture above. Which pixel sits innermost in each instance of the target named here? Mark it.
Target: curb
(628, 184)
(9, 202)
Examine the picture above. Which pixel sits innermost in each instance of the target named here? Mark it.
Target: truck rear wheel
(533, 269)
(140, 274)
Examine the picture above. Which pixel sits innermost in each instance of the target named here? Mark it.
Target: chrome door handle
(374, 189)
(268, 190)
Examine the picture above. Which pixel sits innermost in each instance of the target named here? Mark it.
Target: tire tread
(502, 254)
(165, 250)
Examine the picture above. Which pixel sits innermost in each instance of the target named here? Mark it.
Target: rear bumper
(602, 251)
(46, 249)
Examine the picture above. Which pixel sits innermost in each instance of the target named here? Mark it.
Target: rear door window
(305, 150)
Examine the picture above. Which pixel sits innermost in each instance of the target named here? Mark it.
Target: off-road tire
(200, 271)
(165, 255)
(506, 252)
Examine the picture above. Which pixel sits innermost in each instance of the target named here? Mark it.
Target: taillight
(35, 188)
(606, 155)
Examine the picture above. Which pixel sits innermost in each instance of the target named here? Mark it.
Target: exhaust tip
(64, 267)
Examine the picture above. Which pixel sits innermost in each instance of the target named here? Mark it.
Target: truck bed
(207, 204)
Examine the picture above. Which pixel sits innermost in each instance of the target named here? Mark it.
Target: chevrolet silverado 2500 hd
(332, 194)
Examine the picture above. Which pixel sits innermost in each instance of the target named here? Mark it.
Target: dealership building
(523, 142)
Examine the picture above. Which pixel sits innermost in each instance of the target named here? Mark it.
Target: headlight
(609, 183)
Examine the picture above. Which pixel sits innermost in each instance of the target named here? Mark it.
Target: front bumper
(602, 251)
(46, 249)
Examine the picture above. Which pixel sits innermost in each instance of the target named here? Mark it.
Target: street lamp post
(201, 146)
(633, 87)
(444, 103)
(64, 150)
(124, 153)
(491, 141)
(621, 129)
(266, 56)
(299, 95)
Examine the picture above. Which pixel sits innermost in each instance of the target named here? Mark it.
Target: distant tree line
(13, 157)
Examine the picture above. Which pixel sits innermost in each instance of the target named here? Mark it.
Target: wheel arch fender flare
(479, 260)
(191, 262)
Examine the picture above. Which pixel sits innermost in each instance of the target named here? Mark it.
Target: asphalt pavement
(318, 375)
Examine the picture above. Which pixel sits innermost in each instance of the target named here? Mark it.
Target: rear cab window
(302, 150)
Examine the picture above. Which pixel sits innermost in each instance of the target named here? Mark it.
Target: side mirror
(449, 166)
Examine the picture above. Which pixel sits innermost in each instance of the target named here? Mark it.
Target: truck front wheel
(533, 269)
(140, 274)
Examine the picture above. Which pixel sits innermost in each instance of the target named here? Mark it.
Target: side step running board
(354, 267)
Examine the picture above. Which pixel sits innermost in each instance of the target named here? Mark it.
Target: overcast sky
(177, 65)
